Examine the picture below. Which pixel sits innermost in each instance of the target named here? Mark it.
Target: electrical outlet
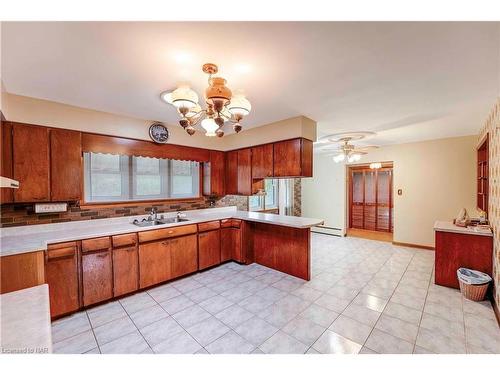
(41, 208)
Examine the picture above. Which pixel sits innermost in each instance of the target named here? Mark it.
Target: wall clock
(158, 132)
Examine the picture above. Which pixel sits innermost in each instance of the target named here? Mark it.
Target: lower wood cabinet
(183, 255)
(154, 263)
(125, 270)
(97, 277)
(209, 250)
(61, 272)
(21, 271)
(231, 245)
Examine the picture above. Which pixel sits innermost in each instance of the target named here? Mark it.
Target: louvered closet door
(370, 200)
(357, 199)
(384, 200)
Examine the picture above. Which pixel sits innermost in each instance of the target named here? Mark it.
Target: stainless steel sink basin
(151, 223)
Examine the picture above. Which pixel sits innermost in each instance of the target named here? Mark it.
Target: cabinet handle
(104, 255)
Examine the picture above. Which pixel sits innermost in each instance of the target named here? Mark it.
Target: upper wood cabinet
(293, 158)
(31, 163)
(65, 165)
(232, 172)
(245, 171)
(6, 194)
(217, 176)
(262, 161)
(62, 275)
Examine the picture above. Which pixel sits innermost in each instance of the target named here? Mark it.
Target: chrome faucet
(153, 215)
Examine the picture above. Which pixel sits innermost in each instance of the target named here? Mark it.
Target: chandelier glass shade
(221, 105)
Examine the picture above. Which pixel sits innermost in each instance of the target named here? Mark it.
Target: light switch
(41, 208)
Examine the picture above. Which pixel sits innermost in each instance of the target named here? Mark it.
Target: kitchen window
(269, 201)
(119, 178)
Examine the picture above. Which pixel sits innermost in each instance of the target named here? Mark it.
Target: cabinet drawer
(226, 223)
(211, 225)
(159, 234)
(61, 250)
(95, 244)
(236, 223)
(124, 240)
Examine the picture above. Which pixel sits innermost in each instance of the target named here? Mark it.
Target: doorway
(371, 200)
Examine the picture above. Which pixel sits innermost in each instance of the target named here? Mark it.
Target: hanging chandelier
(221, 105)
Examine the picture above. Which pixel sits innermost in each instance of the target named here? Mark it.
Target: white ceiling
(406, 81)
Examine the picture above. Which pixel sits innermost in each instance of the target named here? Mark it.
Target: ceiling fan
(346, 151)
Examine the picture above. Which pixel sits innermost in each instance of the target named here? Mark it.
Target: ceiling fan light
(210, 126)
(353, 158)
(339, 158)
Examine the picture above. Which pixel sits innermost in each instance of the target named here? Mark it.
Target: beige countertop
(25, 321)
(448, 226)
(31, 238)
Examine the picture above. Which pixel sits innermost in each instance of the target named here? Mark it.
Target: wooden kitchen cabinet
(97, 270)
(245, 171)
(209, 247)
(62, 275)
(262, 161)
(125, 264)
(231, 246)
(6, 194)
(183, 255)
(20, 271)
(154, 263)
(217, 174)
(232, 172)
(31, 163)
(293, 158)
(455, 250)
(65, 165)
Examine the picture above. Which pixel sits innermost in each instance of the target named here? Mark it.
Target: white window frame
(128, 168)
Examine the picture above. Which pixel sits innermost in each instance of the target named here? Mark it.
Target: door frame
(352, 167)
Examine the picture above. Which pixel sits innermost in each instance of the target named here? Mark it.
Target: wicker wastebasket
(473, 284)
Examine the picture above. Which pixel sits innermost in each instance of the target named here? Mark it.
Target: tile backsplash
(23, 214)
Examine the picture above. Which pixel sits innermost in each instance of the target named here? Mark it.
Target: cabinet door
(31, 163)
(184, 255)
(287, 158)
(65, 165)
(209, 249)
(61, 272)
(226, 244)
(6, 194)
(236, 253)
(97, 277)
(232, 172)
(125, 270)
(154, 263)
(245, 171)
(217, 173)
(262, 161)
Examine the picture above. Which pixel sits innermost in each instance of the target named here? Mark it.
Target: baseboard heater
(332, 231)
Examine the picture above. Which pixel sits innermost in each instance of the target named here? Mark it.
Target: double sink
(161, 221)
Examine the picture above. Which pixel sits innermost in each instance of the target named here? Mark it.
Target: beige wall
(437, 179)
(43, 112)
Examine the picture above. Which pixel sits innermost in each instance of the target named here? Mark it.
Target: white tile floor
(364, 297)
